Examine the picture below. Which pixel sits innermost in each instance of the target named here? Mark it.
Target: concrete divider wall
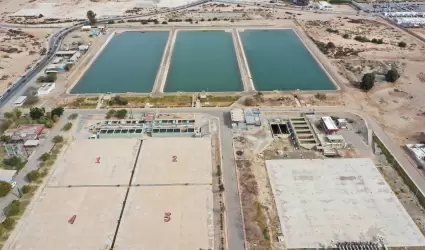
(400, 170)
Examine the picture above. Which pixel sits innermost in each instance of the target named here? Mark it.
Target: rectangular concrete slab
(338, 199)
(46, 228)
(78, 165)
(193, 163)
(190, 226)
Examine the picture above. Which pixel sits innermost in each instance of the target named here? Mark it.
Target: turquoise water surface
(278, 60)
(129, 63)
(203, 60)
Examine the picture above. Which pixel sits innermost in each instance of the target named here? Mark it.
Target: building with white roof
(328, 124)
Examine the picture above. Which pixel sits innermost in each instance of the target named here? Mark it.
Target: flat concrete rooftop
(47, 227)
(78, 165)
(183, 188)
(338, 199)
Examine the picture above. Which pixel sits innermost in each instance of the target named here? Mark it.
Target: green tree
(110, 113)
(67, 67)
(13, 208)
(13, 162)
(9, 223)
(392, 75)
(17, 112)
(5, 188)
(67, 126)
(5, 138)
(121, 114)
(33, 175)
(8, 115)
(57, 139)
(1, 229)
(36, 113)
(57, 111)
(51, 77)
(249, 102)
(368, 81)
(91, 16)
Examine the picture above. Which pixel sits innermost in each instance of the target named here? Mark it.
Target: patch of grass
(261, 220)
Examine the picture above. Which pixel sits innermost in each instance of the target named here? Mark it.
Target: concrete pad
(78, 165)
(47, 227)
(193, 163)
(190, 227)
(338, 199)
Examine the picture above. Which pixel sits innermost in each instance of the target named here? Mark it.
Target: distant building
(46, 88)
(323, 5)
(7, 175)
(301, 2)
(20, 101)
(328, 125)
(23, 133)
(65, 53)
(74, 58)
(248, 118)
(85, 28)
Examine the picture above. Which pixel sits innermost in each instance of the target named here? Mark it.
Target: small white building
(57, 60)
(335, 141)
(46, 88)
(75, 57)
(323, 5)
(83, 47)
(20, 101)
(86, 28)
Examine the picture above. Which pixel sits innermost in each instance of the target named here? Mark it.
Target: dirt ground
(398, 106)
(19, 50)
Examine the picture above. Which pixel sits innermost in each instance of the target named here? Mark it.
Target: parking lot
(395, 7)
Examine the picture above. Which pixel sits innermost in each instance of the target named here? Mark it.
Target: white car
(14, 184)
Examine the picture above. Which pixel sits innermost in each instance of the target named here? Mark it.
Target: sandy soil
(398, 107)
(19, 50)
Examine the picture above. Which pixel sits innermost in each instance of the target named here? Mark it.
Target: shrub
(5, 188)
(57, 139)
(33, 175)
(111, 22)
(346, 36)
(13, 208)
(26, 189)
(402, 44)
(72, 116)
(121, 114)
(361, 39)
(330, 30)
(67, 126)
(8, 223)
(249, 102)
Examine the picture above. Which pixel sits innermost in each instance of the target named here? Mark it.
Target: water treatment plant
(211, 60)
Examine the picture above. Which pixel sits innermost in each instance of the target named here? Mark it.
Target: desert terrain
(19, 50)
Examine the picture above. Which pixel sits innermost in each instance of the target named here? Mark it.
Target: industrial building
(23, 133)
(323, 202)
(323, 5)
(155, 125)
(247, 118)
(46, 88)
(328, 125)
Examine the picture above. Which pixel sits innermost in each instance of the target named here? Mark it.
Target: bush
(111, 22)
(14, 163)
(330, 45)
(67, 67)
(330, 30)
(13, 208)
(8, 223)
(392, 75)
(402, 44)
(121, 114)
(249, 102)
(117, 100)
(164, 22)
(72, 116)
(5, 188)
(346, 36)
(33, 175)
(67, 126)
(368, 81)
(377, 41)
(1, 229)
(57, 111)
(361, 39)
(44, 157)
(26, 189)
(57, 139)
(110, 113)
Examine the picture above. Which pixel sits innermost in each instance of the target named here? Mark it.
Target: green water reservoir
(203, 60)
(129, 63)
(278, 60)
